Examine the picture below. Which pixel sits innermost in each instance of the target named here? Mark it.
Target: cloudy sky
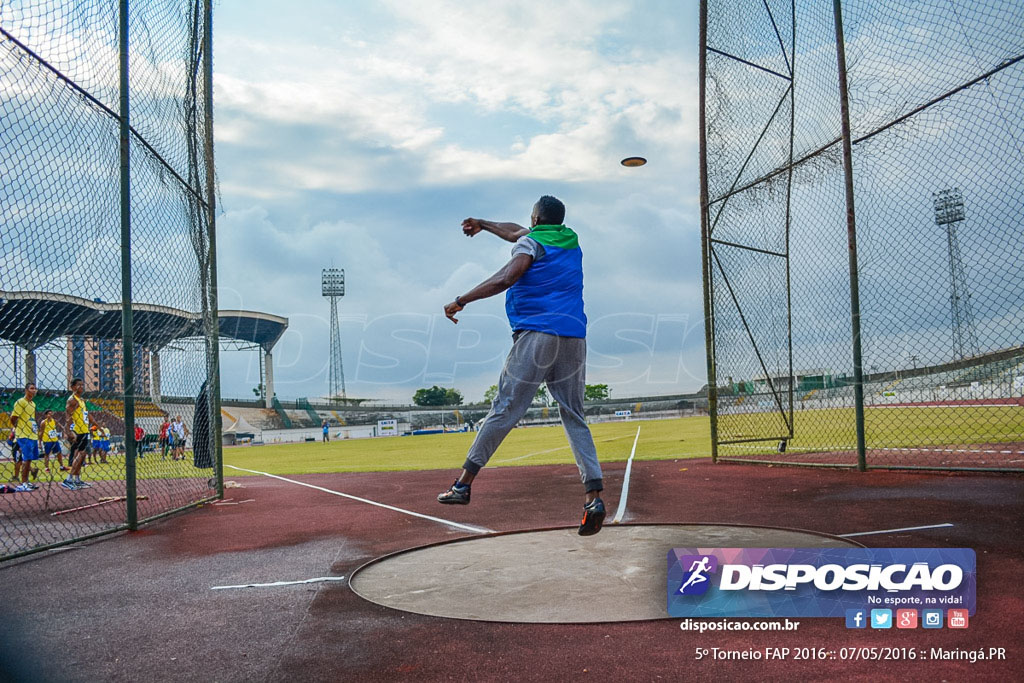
(360, 134)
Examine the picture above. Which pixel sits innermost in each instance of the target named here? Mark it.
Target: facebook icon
(856, 618)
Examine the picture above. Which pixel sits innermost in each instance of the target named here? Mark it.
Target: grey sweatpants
(539, 357)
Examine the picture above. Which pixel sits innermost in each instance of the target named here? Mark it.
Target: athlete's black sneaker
(455, 496)
(593, 518)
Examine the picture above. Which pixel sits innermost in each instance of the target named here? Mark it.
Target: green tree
(596, 392)
(437, 396)
(542, 396)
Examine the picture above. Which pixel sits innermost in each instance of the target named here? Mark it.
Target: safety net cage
(862, 180)
(108, 272)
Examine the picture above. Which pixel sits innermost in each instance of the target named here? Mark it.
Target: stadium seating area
(987, 381)
(112, 422)
(143, 408)
(260, 418)
(989, 372)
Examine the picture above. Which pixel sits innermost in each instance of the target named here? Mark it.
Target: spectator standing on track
(172, 438)
(327, 429)
(184, 439)
(96, 441)
(50, 433)
(164, 443)
(178, 432)
(544, 301)
(80, 419)
(104, 444)
(26, 433)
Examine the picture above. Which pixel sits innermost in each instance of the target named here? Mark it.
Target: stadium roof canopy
(31, 319)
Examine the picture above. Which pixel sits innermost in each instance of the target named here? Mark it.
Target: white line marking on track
(892, 531)
(551, 450)
(464, 527)
(530, 455)
(280, 583)
(625, 481)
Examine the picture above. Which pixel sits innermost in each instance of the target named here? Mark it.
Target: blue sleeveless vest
(549, 295)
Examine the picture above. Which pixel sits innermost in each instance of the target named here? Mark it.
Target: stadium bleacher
(303, 404)
(143, 408)
(988, 372)
(279, 409)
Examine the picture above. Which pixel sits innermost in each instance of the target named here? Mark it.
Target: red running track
(142, 607)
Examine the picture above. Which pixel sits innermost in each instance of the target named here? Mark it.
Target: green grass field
(150, 467)
(885, 427)
(659, 440)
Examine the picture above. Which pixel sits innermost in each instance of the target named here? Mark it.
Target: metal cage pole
(705, 239)
(211, 205)
(851, 233)
(789, 218)
(127, 333)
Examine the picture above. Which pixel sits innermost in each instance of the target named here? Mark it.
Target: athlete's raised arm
(510, 232)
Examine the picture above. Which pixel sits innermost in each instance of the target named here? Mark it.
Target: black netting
(938, 160)
(61, 313)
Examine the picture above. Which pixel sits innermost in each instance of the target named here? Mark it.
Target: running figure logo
(696, 581)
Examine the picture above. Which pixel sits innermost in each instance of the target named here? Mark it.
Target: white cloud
(370, 142)
(541, 62)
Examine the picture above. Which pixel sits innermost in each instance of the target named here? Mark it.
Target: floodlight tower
(333, 287)
(949, 211)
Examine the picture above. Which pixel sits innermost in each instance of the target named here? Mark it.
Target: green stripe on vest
(555, 236)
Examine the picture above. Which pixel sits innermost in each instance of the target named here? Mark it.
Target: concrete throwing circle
(555, 576)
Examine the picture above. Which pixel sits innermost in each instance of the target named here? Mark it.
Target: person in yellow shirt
(78, 415)
(96, 441)
(106, 443)
(26, 432)
(49, 434)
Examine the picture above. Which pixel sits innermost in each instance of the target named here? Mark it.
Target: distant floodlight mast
(333, 282)
(949, 211)
(332, 286)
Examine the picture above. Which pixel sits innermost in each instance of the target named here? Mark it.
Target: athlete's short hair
(76, 380)
(550, 211)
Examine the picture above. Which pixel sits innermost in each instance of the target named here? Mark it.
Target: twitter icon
(881, 618)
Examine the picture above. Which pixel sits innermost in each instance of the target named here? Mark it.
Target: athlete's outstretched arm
(510, 232)
(495, 284)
